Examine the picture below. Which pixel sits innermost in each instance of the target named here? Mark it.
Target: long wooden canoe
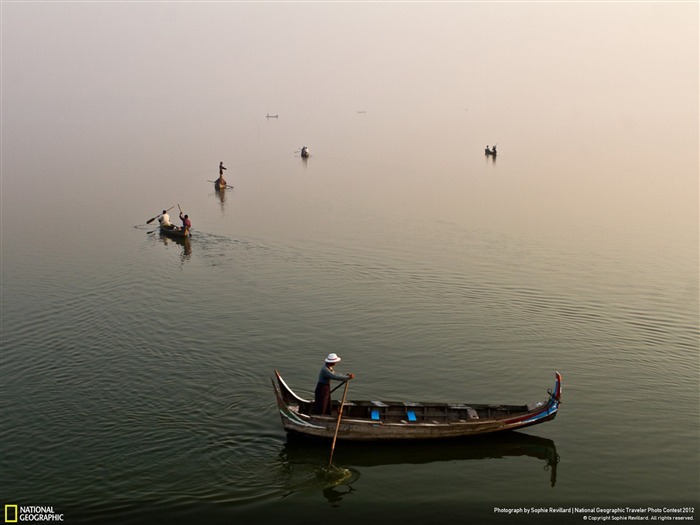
(392, 420)
(175, 232)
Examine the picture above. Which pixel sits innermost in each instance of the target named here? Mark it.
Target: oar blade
(334, 475)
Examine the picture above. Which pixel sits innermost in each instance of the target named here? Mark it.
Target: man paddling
(164, 220)
(186, 223)
(322, 399)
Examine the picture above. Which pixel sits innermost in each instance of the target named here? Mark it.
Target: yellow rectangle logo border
(7, 519)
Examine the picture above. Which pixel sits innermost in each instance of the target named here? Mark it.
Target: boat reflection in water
(301, 451)
(184, 242)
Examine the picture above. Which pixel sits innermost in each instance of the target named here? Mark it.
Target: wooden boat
(491, 152)
(304, 152)
(174, 232)
(219, 185)
(392, 420)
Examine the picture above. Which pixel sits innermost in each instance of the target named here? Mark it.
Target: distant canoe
(174, 232)
(218, 185)
(391, 420)
(490, 152)
(304, 152)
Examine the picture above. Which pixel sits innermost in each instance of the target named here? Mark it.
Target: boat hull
(174, 233)
(387, 421)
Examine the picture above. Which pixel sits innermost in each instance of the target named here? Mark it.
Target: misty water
(135, 372)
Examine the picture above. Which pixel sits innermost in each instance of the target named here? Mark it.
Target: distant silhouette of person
(221, 182)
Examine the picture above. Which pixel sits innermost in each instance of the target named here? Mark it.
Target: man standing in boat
(221, 180)
(186, 223)
(322, 399)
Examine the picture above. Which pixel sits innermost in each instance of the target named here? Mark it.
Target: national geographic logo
(26, 514)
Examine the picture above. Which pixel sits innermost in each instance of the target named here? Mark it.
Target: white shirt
(164, 220)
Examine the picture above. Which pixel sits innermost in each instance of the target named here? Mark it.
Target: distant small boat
(392, 420)
(272, 116)
(219, 185)
(175, 232)
(304, 152)
(491, 152)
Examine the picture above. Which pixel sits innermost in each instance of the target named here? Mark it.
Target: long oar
(336, 388)
(149, 221)
(337, 425)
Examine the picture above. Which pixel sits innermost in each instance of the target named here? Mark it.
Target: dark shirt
(327, 373)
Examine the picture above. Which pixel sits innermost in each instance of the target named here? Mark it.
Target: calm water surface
(136, 369)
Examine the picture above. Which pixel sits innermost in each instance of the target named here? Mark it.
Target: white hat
(332, 358)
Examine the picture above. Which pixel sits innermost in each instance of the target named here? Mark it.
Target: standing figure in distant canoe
(322, 399)
(186, 223)
(221, 181)
(164, 220)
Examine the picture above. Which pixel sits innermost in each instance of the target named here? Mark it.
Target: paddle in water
(337, 474)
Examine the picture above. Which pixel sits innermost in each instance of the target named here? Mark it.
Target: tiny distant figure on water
(490, 151)
(186, 223)
(221, 180)
(322, 399)
(164, 220)
(304, 152)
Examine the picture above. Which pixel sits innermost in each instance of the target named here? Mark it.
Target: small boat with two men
(175, 231)
(374, 420)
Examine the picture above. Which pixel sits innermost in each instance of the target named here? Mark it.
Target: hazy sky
(221, 57)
